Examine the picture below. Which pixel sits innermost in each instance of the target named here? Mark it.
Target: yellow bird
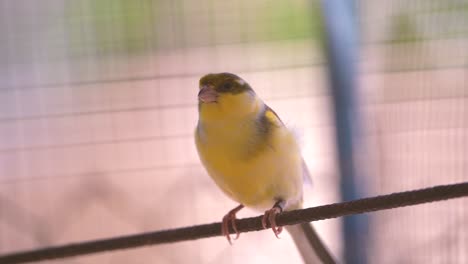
(253, 157)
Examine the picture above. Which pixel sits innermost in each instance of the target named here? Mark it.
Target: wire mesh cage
(98, 107)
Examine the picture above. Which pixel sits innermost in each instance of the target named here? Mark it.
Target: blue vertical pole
(341, 49)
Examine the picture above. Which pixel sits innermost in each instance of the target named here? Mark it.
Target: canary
(252, 157)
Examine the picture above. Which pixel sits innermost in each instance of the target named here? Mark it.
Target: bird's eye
(226, 86)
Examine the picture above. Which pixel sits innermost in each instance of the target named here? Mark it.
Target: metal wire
(395, 200)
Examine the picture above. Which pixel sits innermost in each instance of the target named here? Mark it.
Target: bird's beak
(207, 95)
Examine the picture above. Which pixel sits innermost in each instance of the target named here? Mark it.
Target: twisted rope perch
(377, 203)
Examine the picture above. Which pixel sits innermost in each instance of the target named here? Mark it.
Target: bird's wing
(272, 116)
(305, 173)
(307, 241)
(309, 244)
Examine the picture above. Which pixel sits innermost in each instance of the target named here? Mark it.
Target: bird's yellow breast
(254, 177)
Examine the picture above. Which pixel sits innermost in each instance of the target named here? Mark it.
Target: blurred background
(98, 107)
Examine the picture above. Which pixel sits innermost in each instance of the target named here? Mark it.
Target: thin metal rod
(360, 206)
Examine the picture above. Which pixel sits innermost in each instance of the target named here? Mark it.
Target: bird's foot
(270, 216)
(230, 217)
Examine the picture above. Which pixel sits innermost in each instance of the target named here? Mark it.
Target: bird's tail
(309, 244)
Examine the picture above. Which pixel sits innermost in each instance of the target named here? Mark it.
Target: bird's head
(225, 95)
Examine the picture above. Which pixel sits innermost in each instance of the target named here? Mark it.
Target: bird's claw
(230, 217)
(270, 216)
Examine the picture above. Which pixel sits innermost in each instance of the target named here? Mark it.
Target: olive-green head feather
(225, 95)
(225, 83)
